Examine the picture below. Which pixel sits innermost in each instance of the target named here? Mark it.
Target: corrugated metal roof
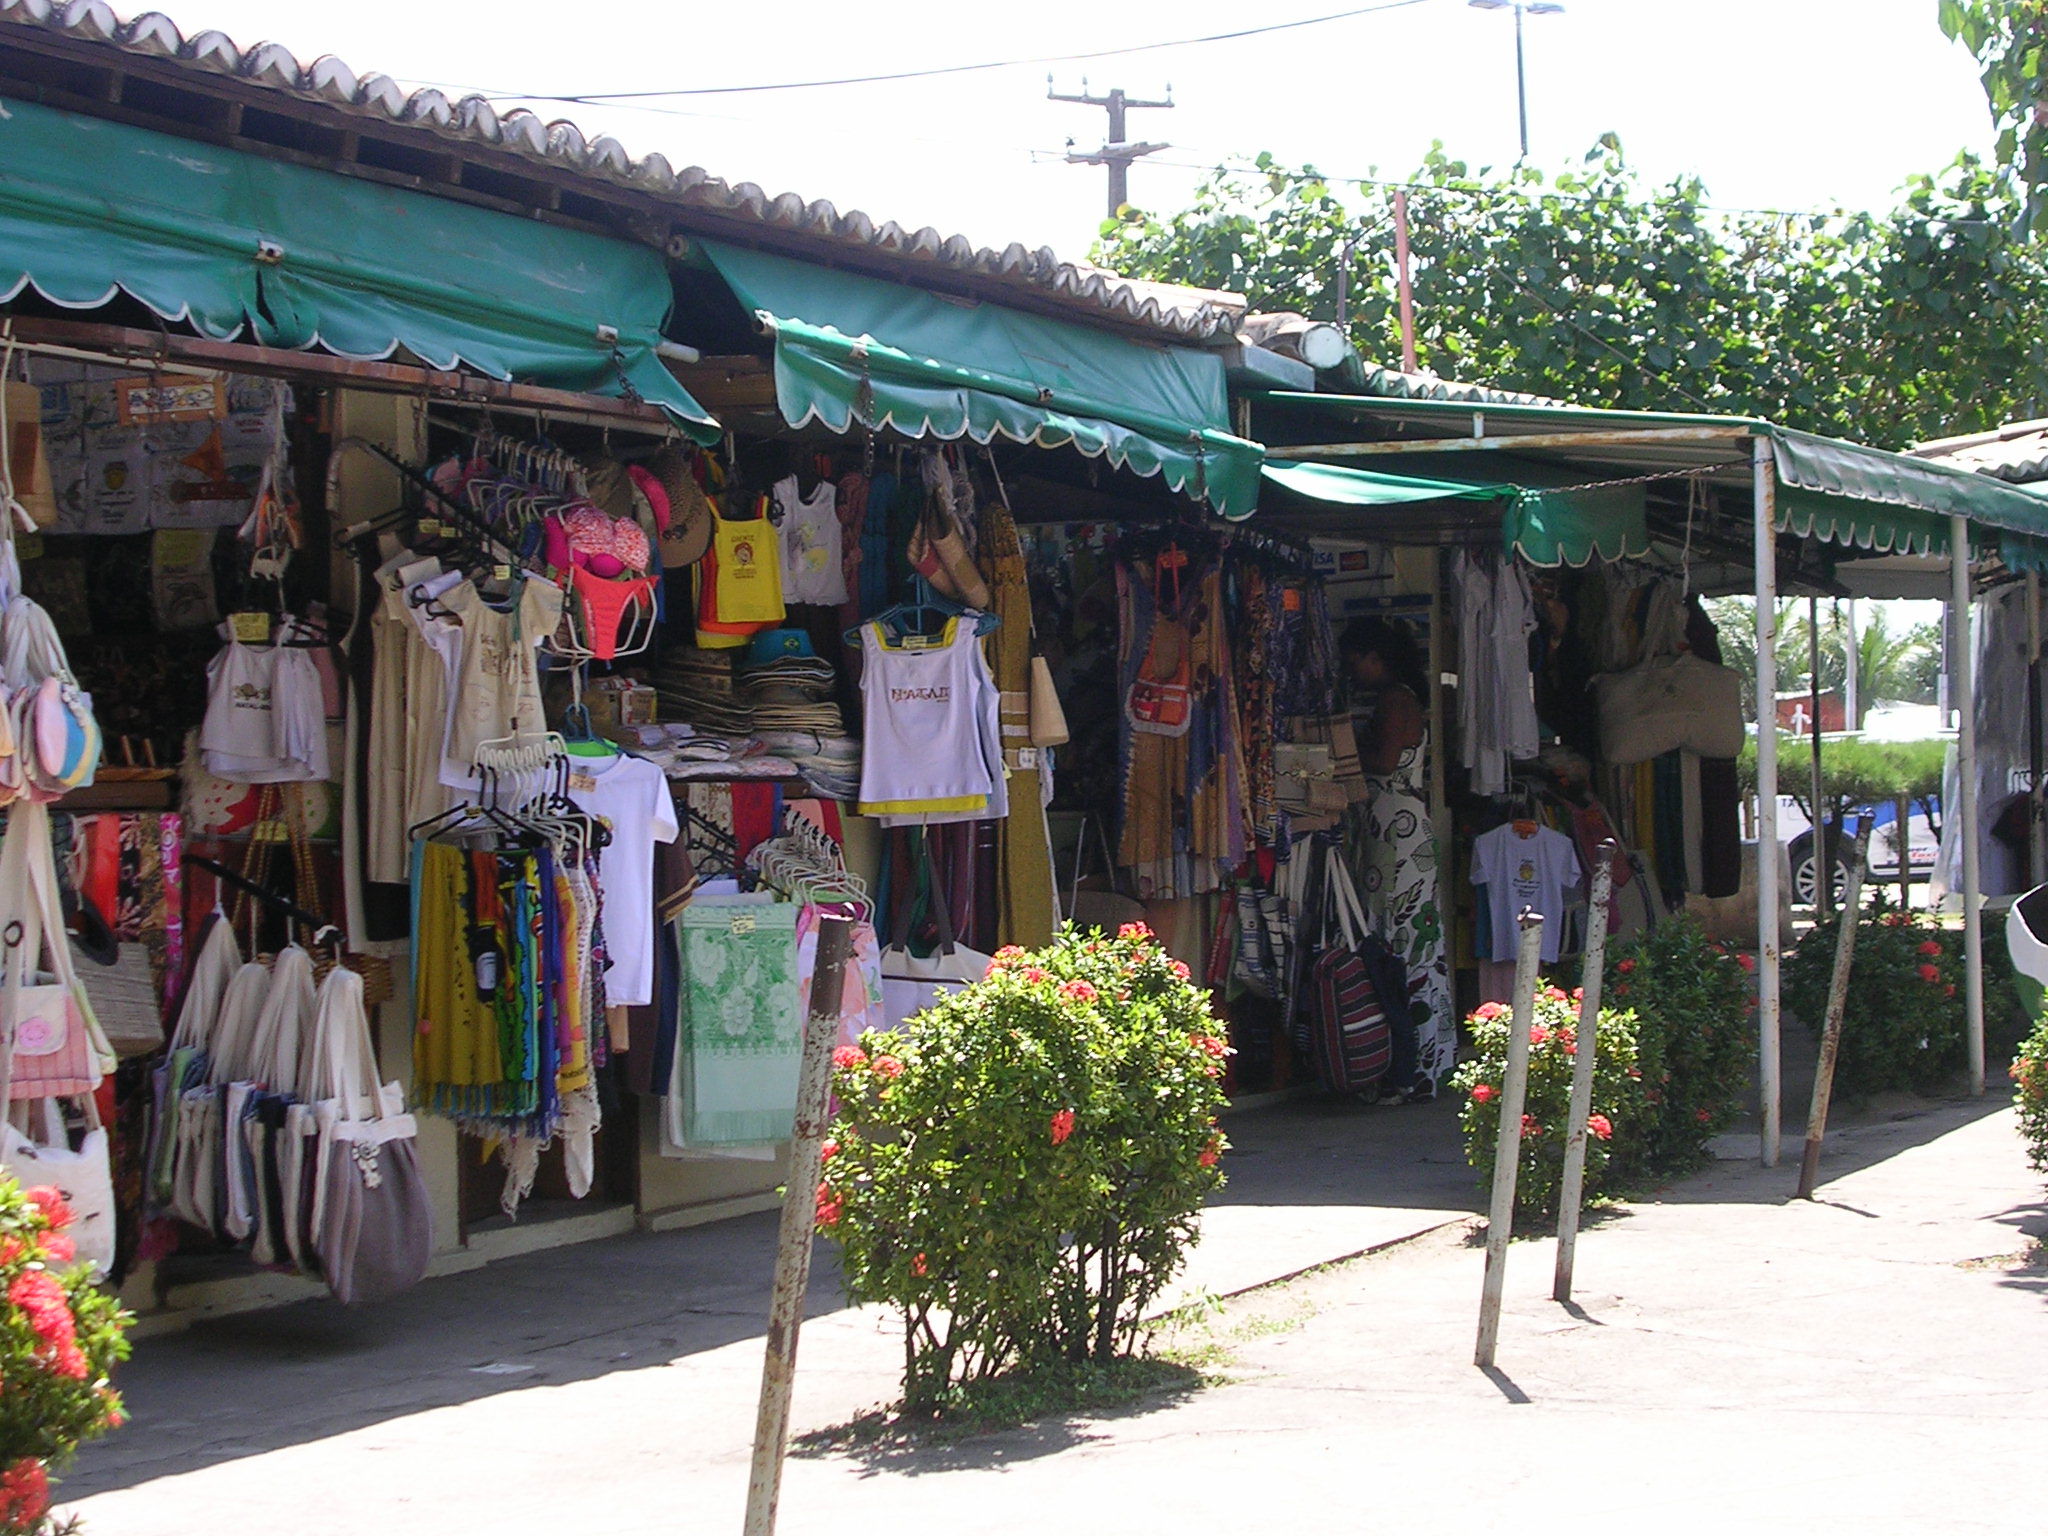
(1183, 314)
(2017, 452)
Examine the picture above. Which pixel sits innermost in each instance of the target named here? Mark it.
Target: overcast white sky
(1776, 103)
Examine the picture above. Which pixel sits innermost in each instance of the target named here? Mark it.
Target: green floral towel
(741, 1042)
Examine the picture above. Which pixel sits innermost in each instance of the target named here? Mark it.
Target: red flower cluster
(1486, 1011)
(1601, 1127)
(1539, 1034)
(1930, 947)
(1930, 972)
(827, 1150)
(830, 1206)
(888, 1066)
(1747, 962)
(1703, 1115)
(1037, 975)
(24, 1494)
(1212, 1154)
(1180, 971)
(847, 1057)
(48, 1309)
(1209, 1046)
(1484, 1093)
(1626, 967)
(51, 1203)
(918, 1266)
(1080, 991)
(1137, 931)
(1531, 1126)
(1062, 1125)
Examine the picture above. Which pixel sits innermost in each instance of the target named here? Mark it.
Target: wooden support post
(1831, 1029)
(799, 1220)
(1573, 1189)
(1507, 1147)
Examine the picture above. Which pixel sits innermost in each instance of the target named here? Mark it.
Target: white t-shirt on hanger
(630, 796)
(1537, 871)
(266, 720)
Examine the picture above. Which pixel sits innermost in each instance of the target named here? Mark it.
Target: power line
(594, 97)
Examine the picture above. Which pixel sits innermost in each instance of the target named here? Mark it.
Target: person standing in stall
(1394, 845)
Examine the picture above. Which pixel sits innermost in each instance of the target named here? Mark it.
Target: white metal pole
(1573, 1189)
(1852, 677)
(1965, 693)
(799, 1219)
(1507, 1147)
(2037, 824)
(1766, 479)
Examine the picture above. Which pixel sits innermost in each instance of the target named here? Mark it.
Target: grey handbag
(375, 1226)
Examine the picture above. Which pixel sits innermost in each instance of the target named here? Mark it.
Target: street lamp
(1519, 7)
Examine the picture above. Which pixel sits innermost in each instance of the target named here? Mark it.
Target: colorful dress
(1394, 850)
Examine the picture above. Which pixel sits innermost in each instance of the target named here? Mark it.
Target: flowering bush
(59, 1339)
(1695, 1045)
(1903, 1023)
(1021, 1170)
(2030, 1072)
(1553, 1046)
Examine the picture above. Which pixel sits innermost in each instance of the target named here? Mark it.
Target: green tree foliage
(2010, 41)
(1594, 287)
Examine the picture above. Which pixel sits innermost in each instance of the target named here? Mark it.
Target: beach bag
(374, 1231)
(1669, 703)
(911, 983)
(1161, 699)
(52, 1043)
(281, 1058)
(184, 1060)
(83, 1176)
(1353, 1036)
(198, 1163)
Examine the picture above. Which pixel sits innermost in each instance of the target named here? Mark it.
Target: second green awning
(1544, 524)
(854, 350)
(230, 241)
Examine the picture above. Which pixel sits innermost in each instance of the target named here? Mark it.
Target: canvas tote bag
(376, 1228)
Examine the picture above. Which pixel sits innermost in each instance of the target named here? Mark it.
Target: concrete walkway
(1877, 1361)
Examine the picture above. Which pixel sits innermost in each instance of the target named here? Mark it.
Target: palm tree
(1902, 666)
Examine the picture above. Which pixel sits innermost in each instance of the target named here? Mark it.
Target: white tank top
(808, 531)
(265, 720)
(930, 715)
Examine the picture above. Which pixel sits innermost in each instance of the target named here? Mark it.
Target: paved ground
(1877, 1361)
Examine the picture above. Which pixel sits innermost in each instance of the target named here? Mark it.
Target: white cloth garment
(1496, 689)
(933, 749)
(807, 531)
(266, 722)
(631, 797)
(1538, 871)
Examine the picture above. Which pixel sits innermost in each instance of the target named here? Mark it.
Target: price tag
(430, 527)
(742, 924)
(582, 781)
(1290, 599)
(250, 628)
(501, 573)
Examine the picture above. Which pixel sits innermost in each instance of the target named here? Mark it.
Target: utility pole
(1117, 151)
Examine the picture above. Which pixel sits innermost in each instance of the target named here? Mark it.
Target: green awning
(853, 350)
(1341, 486)
(1845, 493)
(1547, 519)
(301, 258)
